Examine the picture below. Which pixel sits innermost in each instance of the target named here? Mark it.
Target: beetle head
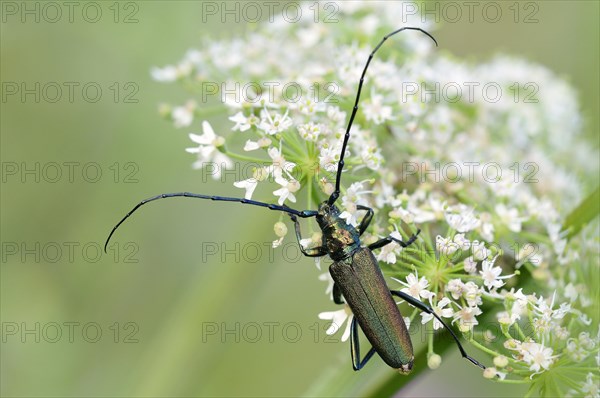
(327, 214)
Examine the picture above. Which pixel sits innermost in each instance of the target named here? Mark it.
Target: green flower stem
(521, 334)
(242, 157)
(483, 348)
(513, 381)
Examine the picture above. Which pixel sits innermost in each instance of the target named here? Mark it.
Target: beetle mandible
(358, 280)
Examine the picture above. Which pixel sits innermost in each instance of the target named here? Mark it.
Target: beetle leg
(337, 294)
(424, 307)
(357, 363)
(313, 251)
(364, 223)
(389, 239)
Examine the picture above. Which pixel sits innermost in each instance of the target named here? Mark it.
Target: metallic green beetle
(357, 277)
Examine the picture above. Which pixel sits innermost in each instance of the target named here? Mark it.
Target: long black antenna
(302, 214)
(336, 193)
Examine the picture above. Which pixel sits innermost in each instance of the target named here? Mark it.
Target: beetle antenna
(334, 196)
(302, 214)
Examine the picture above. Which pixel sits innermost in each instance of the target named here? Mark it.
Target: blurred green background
(154, 313)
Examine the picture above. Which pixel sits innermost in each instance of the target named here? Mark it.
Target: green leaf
(582, 214)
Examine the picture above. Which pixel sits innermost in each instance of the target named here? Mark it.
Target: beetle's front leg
(389, 239)
(312, 252)
(364, 223)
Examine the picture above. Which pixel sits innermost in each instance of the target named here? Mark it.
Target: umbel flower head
(488, 180)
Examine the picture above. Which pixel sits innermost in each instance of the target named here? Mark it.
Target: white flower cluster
(479, 157)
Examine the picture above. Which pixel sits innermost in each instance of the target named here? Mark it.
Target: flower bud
(500, 361)
(489, 373)
(434, 361)
(280, 229)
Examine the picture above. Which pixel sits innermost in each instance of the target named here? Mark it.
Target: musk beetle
(358, 280)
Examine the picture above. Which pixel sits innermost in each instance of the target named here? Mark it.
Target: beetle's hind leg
(389, 239)
(357, 363)
(425, 308)
(313, 251)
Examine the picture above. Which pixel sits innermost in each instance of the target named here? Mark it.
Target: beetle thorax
(340, 238)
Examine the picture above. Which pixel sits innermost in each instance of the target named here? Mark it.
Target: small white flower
(462, 242)
(249, 185)
(183, 116)
(510, 217)
(350, 201)
(310, 131)
(537, 356)
(335, 114)
(479, 250)
(337, 320)
(519, 302)
(491, 274)
(258, 175)
(547, 313)
(254, 145)
(276, 124)
(472, 294)
(461, 218)
(328, 158)
(470, 265)
(308, 106)
(286, 192)
(242, 123)
(439, 310)
(280, 165)
(455, 287)
(208, 137)
(351, 218)
(445, 245)
(251, 146)
(208, 152)
(415, 287)
(376, 111)
(388, 252)
(402, 214)
(507, 319)
(371, 157)
(467, 318)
